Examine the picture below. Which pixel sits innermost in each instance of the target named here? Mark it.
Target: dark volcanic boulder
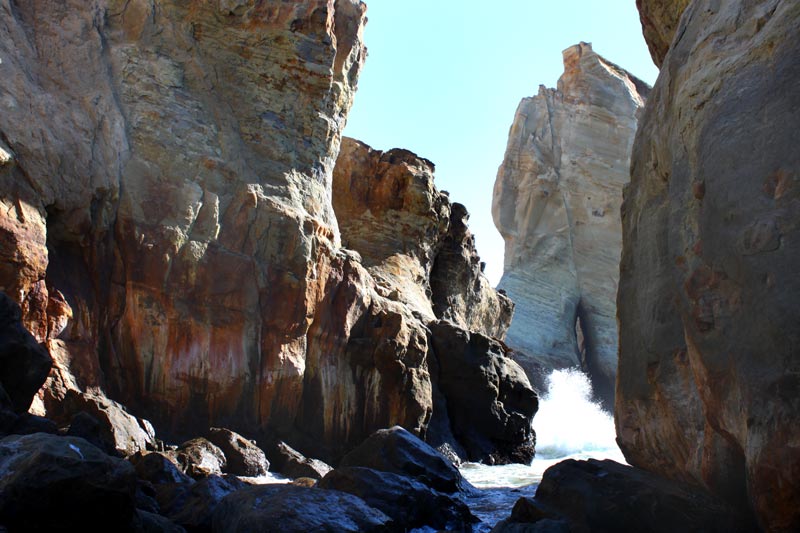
(293, 509)
(158, 469)
(409, 503)
(24, 363)
(243, 457)
(52, 483)
(398, 451)
(192, 506)
(604, 496)
(199, 457)
(473, 373)
(288, 462)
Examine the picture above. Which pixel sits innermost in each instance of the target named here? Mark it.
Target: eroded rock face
(168, 170)
(659, 21)
(709, 319)
(167, 223)
(412, 239)
(556, 203)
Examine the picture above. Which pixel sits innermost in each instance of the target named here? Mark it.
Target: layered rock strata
(709, 319)
(168, 229)
(556, 203)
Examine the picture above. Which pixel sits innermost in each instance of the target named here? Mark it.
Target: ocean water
(569, 425)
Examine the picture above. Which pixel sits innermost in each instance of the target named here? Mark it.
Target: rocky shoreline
(190, 250)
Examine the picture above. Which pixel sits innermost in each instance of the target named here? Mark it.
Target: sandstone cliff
(167, 224)
(707, 388)
(659, 21)
(556, 203)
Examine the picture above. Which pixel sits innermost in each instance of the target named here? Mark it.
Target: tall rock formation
(556, 203)
(416, 246)
(709, 370)
(167, 225)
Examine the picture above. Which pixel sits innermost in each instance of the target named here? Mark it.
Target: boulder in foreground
(290, 509)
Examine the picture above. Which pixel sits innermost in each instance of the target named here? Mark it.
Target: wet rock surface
(707, 303)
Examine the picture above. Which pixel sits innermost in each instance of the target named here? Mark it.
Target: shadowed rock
(708, 386)
(63, 483)
(292, 509)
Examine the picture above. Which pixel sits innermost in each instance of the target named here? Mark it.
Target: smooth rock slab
(290, 509)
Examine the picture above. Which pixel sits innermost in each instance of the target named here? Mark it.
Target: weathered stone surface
(117, 430)
(156, 468)
(474, 372)
(192, 506)
(413, 241)
(600, 496)
(409, 503)
(200, 203)
(243, 457)
(659, 21)
(168, 228)
(707, 388)
(556, 203)
(397, 451)
(460, 291)
(290, 509)
(199, 458)
(24, 363)
(288, 462)
(50, 483)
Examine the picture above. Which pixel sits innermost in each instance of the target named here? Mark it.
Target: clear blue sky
(443, 78)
